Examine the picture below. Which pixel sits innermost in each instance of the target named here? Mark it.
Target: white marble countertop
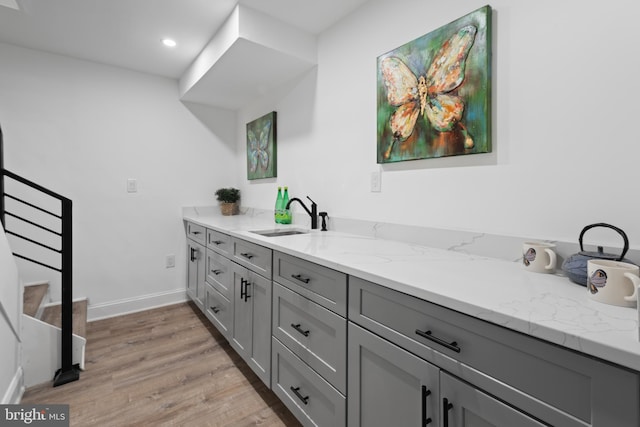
(545, 306)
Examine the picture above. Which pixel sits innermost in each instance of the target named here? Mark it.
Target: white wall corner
(272, 33)
(14, 392)
(221, 41)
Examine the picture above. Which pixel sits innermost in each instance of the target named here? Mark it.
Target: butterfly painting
(261, 147)
(434, 93)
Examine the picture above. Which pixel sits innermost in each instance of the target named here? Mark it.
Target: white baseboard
(133, 305)
(15, 391)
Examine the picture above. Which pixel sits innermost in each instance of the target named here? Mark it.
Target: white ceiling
(127, 33)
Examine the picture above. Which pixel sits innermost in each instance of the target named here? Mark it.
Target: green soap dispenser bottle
(286, 213)
(279, 207)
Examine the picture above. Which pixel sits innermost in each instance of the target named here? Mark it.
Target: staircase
(42, 220)
(41, 334)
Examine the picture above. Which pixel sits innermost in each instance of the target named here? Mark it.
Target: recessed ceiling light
(169, 42)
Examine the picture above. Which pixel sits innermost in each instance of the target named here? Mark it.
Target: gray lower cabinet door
(242, 312)
(219, 310)
(389, 386)
(251, 332)
(465, 406)
(259, 291)
(196, 272)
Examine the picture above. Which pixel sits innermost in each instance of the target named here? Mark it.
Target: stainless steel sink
(280, 232)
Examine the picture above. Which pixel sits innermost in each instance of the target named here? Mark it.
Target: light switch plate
(376, 182)
(132, 186)
(170, 261)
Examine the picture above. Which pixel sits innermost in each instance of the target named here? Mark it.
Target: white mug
(613, 282)
(539, 257)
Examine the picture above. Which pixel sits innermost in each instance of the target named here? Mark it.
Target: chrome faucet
(313, 213)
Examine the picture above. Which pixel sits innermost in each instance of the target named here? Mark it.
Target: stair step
(53, 315)
(32, 298)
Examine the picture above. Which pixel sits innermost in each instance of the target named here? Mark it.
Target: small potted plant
(228, 198)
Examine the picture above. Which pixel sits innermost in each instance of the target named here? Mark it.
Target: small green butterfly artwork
(261, 147)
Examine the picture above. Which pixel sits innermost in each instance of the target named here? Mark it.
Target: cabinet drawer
(323, 285)
(219, 242)
(252, 256)
(316, 335)
(196, 232)
(566, 380)
(307, 395)
(219, 273)
(218, 310)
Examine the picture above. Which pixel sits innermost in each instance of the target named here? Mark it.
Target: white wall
(82, 129)
(565, 135)
(10, 373)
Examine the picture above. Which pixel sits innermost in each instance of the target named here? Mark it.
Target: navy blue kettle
(575, 266)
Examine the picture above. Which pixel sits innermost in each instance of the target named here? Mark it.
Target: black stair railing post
(68, 372)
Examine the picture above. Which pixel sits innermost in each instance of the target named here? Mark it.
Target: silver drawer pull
(301, 278)
(247, 255)
(296, 391)
(299, 329)
(428, 335)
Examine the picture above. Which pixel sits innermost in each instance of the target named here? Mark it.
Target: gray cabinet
(196, 272)
(465, 406)
(551, 384)
(317, 335)
(230, 281)
(251, 333)
(219, 242)
(218, 271)
(218, 310)
(309, 360)
(320, 284)
(389, 386)
(196, 232)
(310, 397)
(255, 257)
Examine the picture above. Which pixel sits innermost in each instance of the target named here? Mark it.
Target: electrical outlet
(132, 186)
(376, 182)
(170, 261)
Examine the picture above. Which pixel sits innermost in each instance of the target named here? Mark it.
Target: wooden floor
(164, 367)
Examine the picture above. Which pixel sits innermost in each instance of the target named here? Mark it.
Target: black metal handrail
(68, 372)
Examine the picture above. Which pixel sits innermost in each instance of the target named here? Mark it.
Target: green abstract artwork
(261, 147)
(434, 93)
